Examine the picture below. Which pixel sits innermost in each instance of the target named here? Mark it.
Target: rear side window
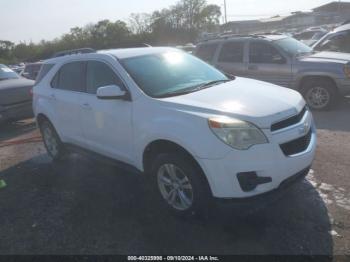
(206, 52)
(43, 72)
(99, 74)
(232, 52)
(70, 77)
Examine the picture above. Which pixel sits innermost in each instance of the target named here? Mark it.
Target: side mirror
(111, 92)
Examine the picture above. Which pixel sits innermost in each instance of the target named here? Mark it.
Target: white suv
(197, 133)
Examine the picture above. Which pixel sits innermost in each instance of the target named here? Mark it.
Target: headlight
(347, 70)
(238, 134)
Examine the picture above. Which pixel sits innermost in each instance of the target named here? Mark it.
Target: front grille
(289, 121)
(298, 145)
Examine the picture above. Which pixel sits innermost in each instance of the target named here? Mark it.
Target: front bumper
(266, 161)
(268, 197)
(343, 86)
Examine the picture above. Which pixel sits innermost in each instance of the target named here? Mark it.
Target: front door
(267, 64)
(107, 124)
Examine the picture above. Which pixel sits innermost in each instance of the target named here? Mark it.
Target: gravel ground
(82, 206)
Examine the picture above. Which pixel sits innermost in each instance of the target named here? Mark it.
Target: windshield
(7, 73)
(170, 73)
(292, 46)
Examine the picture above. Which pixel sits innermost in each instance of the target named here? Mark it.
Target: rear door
(68, 86)
(267, 63)
(232, 58)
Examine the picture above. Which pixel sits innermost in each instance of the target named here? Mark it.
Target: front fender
(188, 130)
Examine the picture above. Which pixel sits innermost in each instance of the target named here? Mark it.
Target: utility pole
(225, 11)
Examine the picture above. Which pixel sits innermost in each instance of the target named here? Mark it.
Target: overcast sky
(34, 20)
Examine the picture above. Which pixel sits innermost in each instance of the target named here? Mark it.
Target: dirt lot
(82, 206)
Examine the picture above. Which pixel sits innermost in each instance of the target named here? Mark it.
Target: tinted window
(99, 74)
(71, 77)
(232, 52)
(264, 53)
(43, 72)
(206, 52)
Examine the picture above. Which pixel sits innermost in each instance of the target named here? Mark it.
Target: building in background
(331, 13)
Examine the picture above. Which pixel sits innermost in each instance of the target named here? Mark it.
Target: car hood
(258, 102)
(327, 57)
(14, 91)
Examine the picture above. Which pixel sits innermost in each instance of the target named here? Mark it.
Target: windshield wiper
(194, 89)
(211, 83)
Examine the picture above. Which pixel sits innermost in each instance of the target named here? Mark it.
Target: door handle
(253, 67)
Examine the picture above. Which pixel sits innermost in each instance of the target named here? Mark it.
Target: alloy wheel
(318, 97)
(175, 187)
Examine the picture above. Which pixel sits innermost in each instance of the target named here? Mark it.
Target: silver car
(284, 61)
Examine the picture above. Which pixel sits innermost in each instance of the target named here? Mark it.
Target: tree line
(179, 24)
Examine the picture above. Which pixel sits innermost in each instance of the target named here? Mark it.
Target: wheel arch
(306, 78)
(162, 146)
(42, 117)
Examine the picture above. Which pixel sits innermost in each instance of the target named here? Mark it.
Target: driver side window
(263, 53)
(99, 74)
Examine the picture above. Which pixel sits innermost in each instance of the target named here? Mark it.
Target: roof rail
(74, 52)
(226, 35)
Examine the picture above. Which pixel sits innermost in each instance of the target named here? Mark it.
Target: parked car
(189, 48)
(31, 70)
(17, 68)
(337, 40)
(15, 96)
(284, 61)
(310, 36)
(182, 123)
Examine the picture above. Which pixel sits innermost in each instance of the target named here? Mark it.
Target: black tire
(201, 194)
(327, 90)
(59, 152)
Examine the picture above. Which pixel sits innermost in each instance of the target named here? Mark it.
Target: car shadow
(15, 129)
(80, 206)
(336, 119)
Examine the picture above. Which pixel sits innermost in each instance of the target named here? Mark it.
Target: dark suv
(284, 61)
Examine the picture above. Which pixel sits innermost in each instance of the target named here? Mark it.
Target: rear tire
(320, 94)
(180, 185)
(52, 142)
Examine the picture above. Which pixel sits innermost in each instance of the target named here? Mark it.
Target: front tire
(52, 142)
(181, 187)
(320, 94)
